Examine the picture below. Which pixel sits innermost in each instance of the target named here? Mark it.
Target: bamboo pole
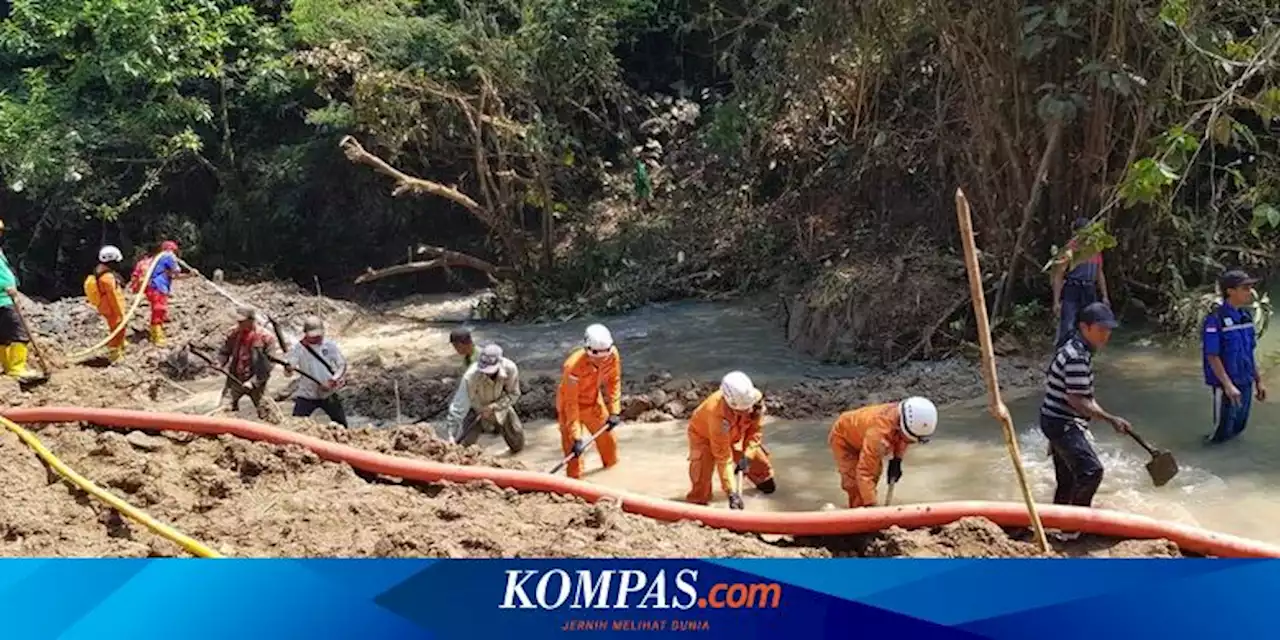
(994, 404)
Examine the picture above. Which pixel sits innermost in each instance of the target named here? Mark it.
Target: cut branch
(443, 259)
(406, 183)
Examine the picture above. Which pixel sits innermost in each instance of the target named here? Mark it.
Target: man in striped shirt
(1069, 405)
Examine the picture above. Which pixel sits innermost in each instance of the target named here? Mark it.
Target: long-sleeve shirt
(873, 431)
(729, 432)
(581, 380)
(110, 297)
(497, 393)
(304, 361)
(7, 281)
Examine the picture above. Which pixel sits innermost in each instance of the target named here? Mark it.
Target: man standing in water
(1076, 285)
(1069, 405)
(1228, 341)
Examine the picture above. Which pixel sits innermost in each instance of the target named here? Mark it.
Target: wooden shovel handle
(1137, 438)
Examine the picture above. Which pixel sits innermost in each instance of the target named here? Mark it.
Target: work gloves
(613, 421)
(735, 501)
(579, 446)
(895, 470)
(741, 466)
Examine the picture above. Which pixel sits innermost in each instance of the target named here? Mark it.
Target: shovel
(1162, 466)
(888, 495)
(569, 458)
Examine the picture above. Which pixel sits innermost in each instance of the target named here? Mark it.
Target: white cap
(598, 338)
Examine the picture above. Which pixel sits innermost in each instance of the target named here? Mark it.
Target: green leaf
(1033, 23)
(1061, 16)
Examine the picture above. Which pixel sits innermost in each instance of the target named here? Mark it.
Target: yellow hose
(137, 301)
(157, 527)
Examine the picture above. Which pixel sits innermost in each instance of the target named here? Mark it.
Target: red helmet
(169, 245)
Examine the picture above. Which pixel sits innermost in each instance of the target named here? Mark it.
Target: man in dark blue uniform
(1076, 287)
(1230, 369)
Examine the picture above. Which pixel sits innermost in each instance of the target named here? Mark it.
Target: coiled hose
(159, 528)
(843, 522)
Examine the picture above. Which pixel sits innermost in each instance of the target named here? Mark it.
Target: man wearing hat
(1228, 341)
(318, 357)
(1069, 406)
(493, 387)
(1076, 284)
(245, 354)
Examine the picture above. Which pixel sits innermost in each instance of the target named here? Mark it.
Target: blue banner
(896, 599)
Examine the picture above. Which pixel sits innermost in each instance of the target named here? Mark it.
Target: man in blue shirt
(159, 288)
(1230, 369)
(1076, 285)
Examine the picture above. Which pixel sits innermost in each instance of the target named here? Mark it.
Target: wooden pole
(994, 404)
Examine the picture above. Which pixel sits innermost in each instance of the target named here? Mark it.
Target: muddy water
(1233, 488)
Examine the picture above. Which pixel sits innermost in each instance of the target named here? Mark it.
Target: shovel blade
(1162, 468)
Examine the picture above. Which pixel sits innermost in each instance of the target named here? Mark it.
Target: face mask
(313, 339)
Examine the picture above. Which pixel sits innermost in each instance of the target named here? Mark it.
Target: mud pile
(659, 397)
(260, 500)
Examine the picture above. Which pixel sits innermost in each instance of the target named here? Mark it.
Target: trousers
(1229, 419)
(1076, 295)
(331, 406)
(1076, 467)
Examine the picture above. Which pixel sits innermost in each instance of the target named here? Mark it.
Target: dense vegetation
(811, 146)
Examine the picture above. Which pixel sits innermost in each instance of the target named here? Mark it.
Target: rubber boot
(157, 335)
(16, 365)
(114, 354)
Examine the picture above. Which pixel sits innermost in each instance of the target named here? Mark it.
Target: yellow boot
(16, 364)
(4, 358)
(157, 335)
(114, 354)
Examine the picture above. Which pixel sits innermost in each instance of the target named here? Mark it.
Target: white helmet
(110, 253)
(598, 338)
(919, 418)
(738, 391)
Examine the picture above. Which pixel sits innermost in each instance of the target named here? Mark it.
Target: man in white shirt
(493, 387)
(319, 358)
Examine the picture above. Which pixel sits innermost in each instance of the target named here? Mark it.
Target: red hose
(815, 523)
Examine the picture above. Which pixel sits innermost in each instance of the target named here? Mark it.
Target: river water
(1234, 488)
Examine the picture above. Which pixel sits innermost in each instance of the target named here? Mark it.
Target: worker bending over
(460, 404)
(581, 409)
(1228, 341)
(102, 290)
(13, 332)
(493, 388)
(860, 439)
(1069, 405)
(246, 355)
(726, 438)
(159, 286)
(318, 357)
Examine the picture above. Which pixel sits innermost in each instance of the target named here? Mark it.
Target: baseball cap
(1079, 224)
(1235, 278)
(244, 313)
(313, 326)
(1098, 313)
(489, 360)
(460, 335)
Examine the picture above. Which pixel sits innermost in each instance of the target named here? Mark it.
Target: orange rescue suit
(859, 440)
(718, 438)
(109, 302)
(582, 410)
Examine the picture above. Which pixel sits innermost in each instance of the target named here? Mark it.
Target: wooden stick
(994, 404)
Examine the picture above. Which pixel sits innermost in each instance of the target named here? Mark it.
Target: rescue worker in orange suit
(726, 438)
(860, 440)
(102, 290)
(581, 408)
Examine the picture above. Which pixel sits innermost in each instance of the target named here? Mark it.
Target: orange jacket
(874, 432)
(580, 382)
(728, 431)
(110, 297)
